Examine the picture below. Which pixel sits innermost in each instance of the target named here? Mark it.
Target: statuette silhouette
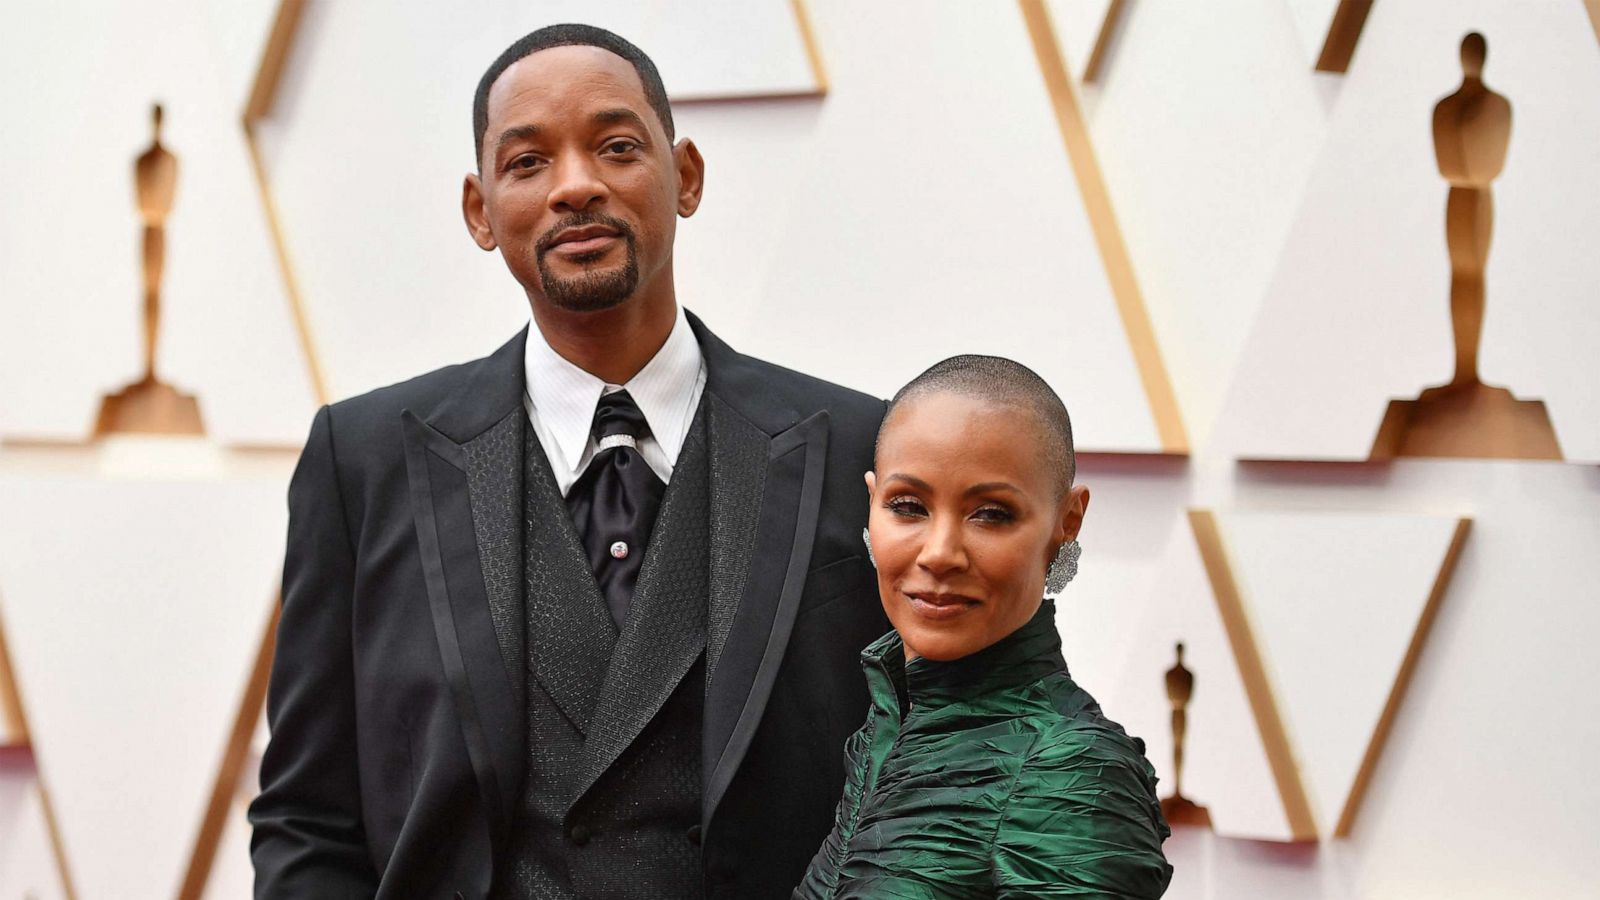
(1178, 809)
(149, 405)
(1465, 417)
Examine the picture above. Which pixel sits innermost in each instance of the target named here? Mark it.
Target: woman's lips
(940, 606)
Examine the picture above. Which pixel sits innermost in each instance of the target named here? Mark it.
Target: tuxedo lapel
(738, 476)
(770, 467)
(494, 487)
(462, 468)
(569, 627)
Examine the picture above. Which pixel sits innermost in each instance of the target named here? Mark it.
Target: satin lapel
(569, 626)
(738, 476)
(665, 632)
(780, 556)
(491, 722)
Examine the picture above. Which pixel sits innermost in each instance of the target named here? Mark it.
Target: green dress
(1000, 779)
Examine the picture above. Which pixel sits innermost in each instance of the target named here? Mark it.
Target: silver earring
(1063, 568)
(866, 538)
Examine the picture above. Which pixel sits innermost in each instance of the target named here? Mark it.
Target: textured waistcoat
(611, 799)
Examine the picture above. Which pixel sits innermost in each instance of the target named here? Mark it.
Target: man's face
(578, 185)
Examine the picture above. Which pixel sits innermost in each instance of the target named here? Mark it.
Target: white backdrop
(1285, 226)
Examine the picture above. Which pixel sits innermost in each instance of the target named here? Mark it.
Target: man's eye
(620, 147)
(524, 162)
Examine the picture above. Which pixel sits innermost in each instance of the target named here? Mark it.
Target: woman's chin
(939, 644)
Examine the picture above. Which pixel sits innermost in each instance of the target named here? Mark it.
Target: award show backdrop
(1246, 241)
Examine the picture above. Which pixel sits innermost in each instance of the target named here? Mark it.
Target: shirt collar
(665, 387)
(564, 396)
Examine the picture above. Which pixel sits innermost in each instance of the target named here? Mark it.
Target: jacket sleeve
(1082, 821)
(308, 839)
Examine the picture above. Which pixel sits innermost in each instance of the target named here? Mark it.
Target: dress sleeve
(1082, 821)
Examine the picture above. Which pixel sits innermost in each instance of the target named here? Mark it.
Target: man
(542, 637)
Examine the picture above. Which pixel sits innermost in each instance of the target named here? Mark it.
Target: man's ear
(472, 210)
(691, 176)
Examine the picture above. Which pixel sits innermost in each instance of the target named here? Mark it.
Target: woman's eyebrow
(981, 488)
(988, 486)
(912, 480)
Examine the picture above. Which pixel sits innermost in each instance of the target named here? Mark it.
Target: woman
(982, 770)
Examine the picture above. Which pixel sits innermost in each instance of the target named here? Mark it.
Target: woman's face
(964, 521)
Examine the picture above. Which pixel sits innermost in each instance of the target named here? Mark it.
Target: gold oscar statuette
(149, 405)
(1178, 809)
(1465, 417)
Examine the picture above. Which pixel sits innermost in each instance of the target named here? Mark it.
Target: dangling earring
(866, 538)
(1063, 568)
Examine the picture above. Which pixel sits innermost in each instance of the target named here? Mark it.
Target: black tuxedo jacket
(398, 745)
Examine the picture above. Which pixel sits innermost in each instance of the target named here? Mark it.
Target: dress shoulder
(1082, 819)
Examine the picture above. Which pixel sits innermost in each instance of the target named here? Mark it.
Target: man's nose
(943, 548)
(577, 185)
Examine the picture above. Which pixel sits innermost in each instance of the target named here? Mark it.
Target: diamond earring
(1063, 568)
(866, 538)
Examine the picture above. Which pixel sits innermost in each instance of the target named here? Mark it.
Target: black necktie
(614, 503)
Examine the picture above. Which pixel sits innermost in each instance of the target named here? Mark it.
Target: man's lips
(587, 239)
(939, 605)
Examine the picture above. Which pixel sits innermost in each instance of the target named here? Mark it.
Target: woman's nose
(943, 549)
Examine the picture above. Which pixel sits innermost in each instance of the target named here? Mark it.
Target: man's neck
(613, 344)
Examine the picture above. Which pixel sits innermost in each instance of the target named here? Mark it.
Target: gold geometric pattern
(1265, 702)
(237, 749)
(15, 741)
(1107, 233)
(1343, 32)
(1258, 689)
(1102, 40)
(1351, 16)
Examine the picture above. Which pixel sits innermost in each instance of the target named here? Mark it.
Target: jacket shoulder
(419, 394)
(848, 408)
(364, 432)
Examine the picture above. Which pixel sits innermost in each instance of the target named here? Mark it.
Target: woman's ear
(872, 485)
(1073, 507)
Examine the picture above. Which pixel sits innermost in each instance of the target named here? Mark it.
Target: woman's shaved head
(1002, 382)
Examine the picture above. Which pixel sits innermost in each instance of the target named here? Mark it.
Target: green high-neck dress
(990, 776)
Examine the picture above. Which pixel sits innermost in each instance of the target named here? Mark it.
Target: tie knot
(617, 414)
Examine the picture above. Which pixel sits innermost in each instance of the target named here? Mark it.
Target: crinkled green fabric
(1001, 780)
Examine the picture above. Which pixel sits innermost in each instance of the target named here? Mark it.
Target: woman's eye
(994, 514)
(906, 506)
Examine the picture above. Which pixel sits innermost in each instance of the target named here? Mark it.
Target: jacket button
(579, 834)
(694, 835)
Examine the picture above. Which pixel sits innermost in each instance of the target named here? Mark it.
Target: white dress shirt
(561, 400)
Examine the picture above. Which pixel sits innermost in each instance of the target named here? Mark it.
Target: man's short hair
(655, 93)
(995, 379)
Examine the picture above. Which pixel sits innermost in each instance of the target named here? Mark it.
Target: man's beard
(590, 291)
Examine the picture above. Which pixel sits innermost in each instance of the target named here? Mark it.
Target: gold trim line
(1108, 236)
(1263, 705)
